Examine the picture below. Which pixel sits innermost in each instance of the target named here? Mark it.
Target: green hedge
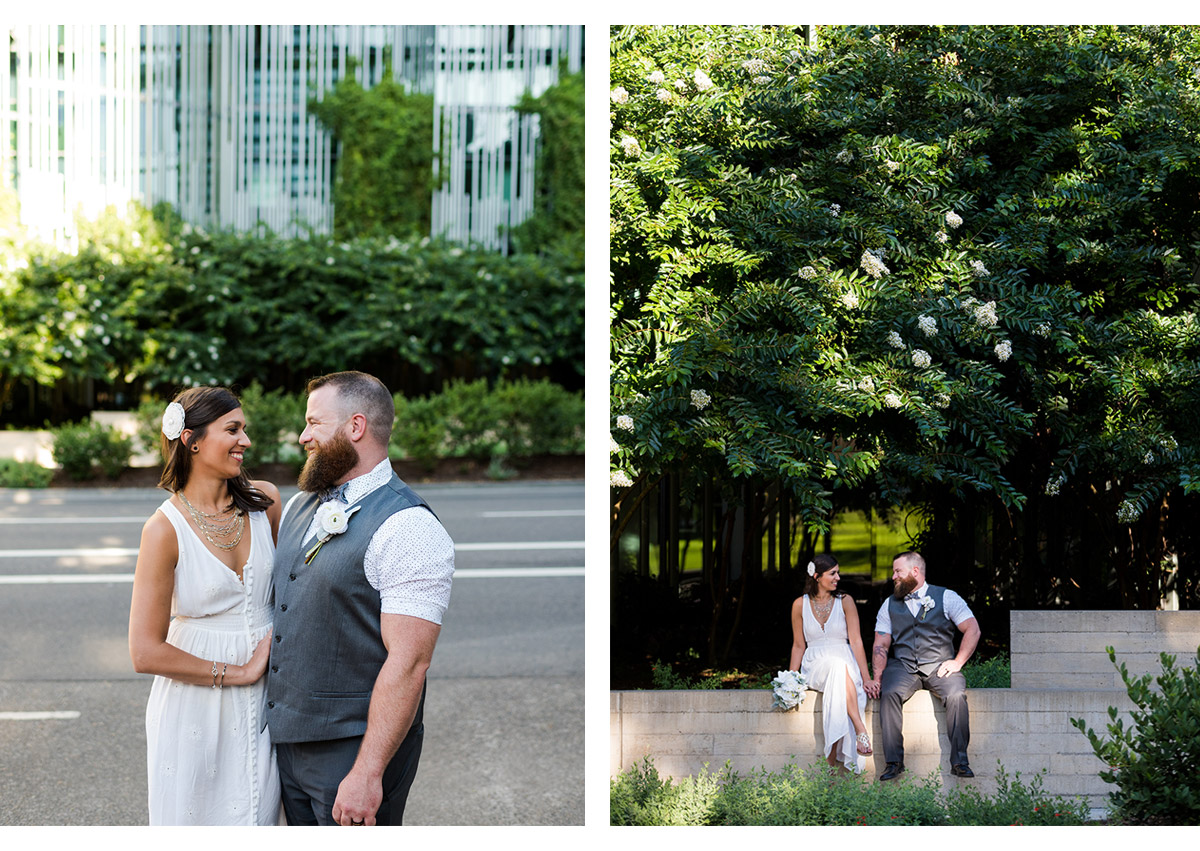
(161, 305)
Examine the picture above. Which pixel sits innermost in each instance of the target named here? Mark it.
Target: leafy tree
(384, 173)
(952, 266)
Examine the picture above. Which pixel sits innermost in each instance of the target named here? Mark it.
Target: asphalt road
(504, 716)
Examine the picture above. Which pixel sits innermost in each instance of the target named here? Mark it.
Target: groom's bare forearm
(879, 654)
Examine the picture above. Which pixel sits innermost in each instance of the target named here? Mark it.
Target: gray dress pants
(310, 773)
(897, 685)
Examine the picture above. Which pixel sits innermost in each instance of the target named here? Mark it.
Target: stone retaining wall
(1025, 730)
(1066, 649)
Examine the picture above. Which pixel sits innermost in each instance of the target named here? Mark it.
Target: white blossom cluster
(657, 77)
(953, 219)
(761, 80)
(873, 266)
(1127, 512)
(631, 147)
(681, 85)
(1053, 486)
(663, 95)
(700, 400)
(703, 83)
(1148, 458)
(613, 446)
(619, 479)
(1003, 350)
(920, 358)
(835, 209)
(850, 299)
(892, 166)
(867, 384)
(928, 325)
(754, 66)
(942, 236)
(895, 340)
(807, 273)
(892, 400)
(985, 314)
(1042, 329)
(619, 95)
(625, 422)
(978, 269)
(844, 156)
(941, 400)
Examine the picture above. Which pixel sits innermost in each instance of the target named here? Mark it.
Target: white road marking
(560, 512)
(126, 552)
(38, 716)
(464, 573)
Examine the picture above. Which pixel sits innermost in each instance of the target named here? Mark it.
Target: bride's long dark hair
(823, 563)
(201, 406)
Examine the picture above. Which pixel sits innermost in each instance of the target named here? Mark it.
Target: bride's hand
(253, 670)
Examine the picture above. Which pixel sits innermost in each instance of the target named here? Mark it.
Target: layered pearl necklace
(214, 526)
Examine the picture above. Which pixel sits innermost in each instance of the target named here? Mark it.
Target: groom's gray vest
(924, 641)
(327, 649)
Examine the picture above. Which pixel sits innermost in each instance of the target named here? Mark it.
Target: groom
(917, 625)
(360, 590)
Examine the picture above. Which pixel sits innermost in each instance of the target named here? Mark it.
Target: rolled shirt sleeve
(410, 562)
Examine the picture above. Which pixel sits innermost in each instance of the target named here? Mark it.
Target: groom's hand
(871, 687)
(950, 666)
(358, 799)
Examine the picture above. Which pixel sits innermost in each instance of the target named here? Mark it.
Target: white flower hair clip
(812, 569)
(172, 421)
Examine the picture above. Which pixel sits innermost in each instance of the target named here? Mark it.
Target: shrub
(1153, 761)
(23, 474)
(1014, 804)
(815, 796)
(80, 447)
(274, 420)
(990, 673)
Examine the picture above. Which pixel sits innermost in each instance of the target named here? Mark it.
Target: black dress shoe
(892, 771)
(962, 770)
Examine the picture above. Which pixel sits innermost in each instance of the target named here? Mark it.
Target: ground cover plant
(814, 796)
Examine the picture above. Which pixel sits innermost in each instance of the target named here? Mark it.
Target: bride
(827, 649)
(200, 618)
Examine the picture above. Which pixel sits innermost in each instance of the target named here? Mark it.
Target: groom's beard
(904, 587)
(328, 463)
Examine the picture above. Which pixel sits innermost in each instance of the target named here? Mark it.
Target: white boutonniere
(926, 604)
(788, 690)
(332, 519)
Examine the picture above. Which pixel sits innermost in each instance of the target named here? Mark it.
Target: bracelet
(224, 668)
(214, 674)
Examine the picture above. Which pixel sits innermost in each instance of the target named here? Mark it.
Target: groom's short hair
(360, 393)
(913, 559)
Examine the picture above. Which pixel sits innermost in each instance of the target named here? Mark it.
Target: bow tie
(336, 493)
(913, 596)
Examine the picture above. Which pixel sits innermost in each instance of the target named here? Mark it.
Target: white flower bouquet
(788, 690)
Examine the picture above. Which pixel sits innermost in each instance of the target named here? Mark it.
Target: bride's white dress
(827, 662)
(209, 760)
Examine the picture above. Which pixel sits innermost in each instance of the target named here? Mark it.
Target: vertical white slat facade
(214, 120)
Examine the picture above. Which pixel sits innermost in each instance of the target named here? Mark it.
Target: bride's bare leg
(852, 705)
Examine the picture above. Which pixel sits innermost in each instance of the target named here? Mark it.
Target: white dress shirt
(410, 560)
(954, 608)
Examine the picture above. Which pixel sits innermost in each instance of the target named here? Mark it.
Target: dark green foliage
(1153, 760)
(79, 448)
(556, 226)
(384, 174)
(995, 672)
(472, 420)
(23, 474)
(812, 796)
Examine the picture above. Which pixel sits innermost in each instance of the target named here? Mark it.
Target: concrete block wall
(1064, 649)
(1025, 730)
